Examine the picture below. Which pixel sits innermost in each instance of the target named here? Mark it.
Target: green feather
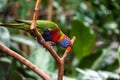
(21, 26)
(40, 24)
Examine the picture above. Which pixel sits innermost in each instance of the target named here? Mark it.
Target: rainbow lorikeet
(49, 30)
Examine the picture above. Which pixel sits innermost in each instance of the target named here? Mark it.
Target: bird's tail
(29, 22)
(24, 21)
(15, 25)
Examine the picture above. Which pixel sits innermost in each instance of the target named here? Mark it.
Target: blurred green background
(95, 54)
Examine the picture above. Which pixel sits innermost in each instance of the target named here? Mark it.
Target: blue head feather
(65, 42)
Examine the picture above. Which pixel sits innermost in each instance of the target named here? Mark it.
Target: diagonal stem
(24, 61)
(35, 15)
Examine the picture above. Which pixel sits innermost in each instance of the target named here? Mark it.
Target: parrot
(49, 30)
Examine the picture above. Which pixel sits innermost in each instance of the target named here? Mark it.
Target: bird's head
(64, 41)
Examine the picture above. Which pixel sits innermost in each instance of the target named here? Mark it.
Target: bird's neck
(61, 37)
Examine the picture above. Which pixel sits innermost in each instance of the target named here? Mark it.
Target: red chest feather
(55, 34)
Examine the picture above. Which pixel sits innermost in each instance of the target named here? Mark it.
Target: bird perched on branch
(49, 30)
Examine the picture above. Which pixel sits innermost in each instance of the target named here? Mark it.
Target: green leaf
(29, 79)
(89, 74)
(42, 58)
(85, 39)
(4, 36)
(108, 57)
(3, 4)
(15, 75)
(118, 52)
(88, 61)
(111, 25)
(5, 59)
(54, 76)
(2, 72)
(23, 39)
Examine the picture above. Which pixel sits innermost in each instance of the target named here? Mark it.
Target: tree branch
(50, 9)
(24, 61)
(35, 15)
(61, 69)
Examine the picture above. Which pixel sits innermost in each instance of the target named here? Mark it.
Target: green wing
(40, 24)
(21, 26)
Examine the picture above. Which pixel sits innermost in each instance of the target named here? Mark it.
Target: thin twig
(50, 9)
(35, 15)
(24, 61)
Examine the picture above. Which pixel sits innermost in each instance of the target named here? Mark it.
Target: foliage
(96, 75)
(85, 38)
(95, 23)
(119, 55)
